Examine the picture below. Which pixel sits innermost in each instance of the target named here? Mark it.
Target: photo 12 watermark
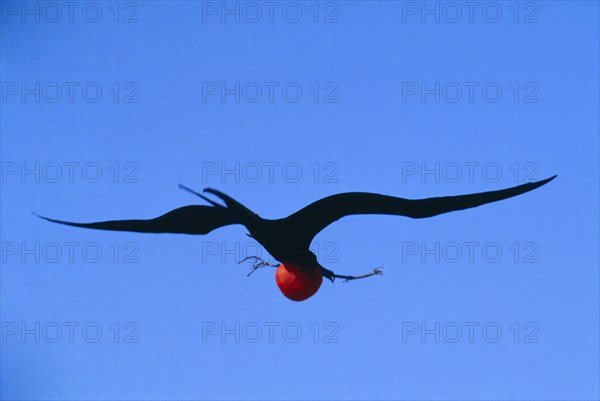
(70, 12)
(270, 332)
(452, 332)
(271, 12)
(471, 12)
(69, 332)
(68, 252)
(469, 172)
(471, 252)
(252, 172)
(269, 92)
(469, 92)
(70, 92)
(62, 172)
(236, 252)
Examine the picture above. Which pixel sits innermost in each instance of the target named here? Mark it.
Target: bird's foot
(257, 263)
(332, 276)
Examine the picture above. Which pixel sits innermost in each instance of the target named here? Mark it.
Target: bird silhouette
(299, 274)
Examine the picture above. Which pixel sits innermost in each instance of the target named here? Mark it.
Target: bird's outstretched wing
(195, 219)
(307, 222)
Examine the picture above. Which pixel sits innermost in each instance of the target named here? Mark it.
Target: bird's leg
(257, 260)
(332, 276)
(256, 264)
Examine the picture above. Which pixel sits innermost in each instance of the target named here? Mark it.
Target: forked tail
(240, 212)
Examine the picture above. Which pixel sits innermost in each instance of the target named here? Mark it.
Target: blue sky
(106, 107)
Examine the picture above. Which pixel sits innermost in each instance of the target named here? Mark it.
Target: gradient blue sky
(365, 130)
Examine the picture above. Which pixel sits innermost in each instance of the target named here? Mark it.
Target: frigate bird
(299, 274)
